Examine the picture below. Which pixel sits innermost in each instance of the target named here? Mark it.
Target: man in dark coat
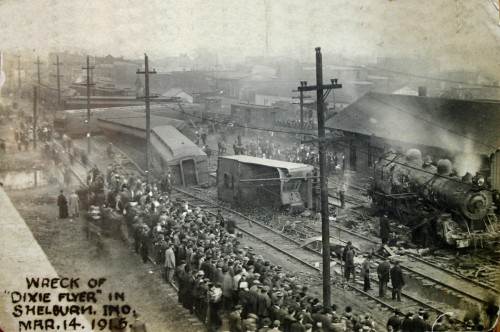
(397, 280)
(419, 323)
(263, 303)
(288, 320)
(407, 323)
(365, 273)
(235, 319)
(220, 219)
(383, 272)
(349, 265)
(395, 320)
(385, 229)
(62, 203)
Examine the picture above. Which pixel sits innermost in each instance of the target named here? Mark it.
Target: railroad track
(292, 248)
(288, 246)
(278, 241)
(425, 264)
(433, 272)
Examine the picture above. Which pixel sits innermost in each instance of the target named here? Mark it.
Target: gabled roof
(451, 124)
(174, 92)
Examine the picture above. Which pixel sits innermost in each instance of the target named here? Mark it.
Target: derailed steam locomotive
(458, 211)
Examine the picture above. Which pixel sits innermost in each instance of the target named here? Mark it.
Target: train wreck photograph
(236, 166)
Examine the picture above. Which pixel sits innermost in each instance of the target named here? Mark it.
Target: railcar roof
(269, 162)
(138, 120)
(176, 143)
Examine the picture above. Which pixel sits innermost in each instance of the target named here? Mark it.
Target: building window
(226, 182)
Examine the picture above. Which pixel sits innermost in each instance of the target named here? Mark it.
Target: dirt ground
(72, 255)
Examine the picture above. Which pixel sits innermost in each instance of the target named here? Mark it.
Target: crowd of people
(268, 149)
(25, 135)
(221, 279)
(295, 124)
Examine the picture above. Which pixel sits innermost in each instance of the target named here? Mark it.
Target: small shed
(251, 181)
(174, 152)
(178, 93)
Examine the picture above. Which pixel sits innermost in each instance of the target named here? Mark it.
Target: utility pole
(35, 97)
(88, 84)
(59, 82)
(302, 84)
(325, 222)
(38, 63)
(19, 75)
(146, 74)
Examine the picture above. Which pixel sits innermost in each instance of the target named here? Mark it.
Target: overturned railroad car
(74, 122)
(458, 211)
(134, 124)
(175, 153)
(251, 181)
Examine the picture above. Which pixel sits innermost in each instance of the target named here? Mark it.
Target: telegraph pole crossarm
(147, 97)
(322, 140)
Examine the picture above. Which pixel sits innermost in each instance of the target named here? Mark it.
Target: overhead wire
(368, 153)
(363, 152)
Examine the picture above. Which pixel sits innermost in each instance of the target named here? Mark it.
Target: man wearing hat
(365, 272)
(395, 320)
(169, 263)
(350, 268)
(418, 324)
(383, 272)
(180, 275)
(266, 323)
(385, 229)
(397, 280)
(264, 303)
(276, 326)
(62, 203)
(235, 319)
(407, 322)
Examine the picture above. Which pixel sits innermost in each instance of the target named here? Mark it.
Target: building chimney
(422, 91)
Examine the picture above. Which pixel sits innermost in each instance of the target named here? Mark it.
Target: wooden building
(439, 127)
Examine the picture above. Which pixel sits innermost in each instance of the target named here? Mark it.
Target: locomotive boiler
(458, 211)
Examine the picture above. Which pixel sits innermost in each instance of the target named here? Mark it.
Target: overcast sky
(461, 32)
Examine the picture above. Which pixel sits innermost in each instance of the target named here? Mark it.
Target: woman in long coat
(62, 203)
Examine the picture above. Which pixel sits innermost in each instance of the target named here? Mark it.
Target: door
(352, 157)
(188, 172)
